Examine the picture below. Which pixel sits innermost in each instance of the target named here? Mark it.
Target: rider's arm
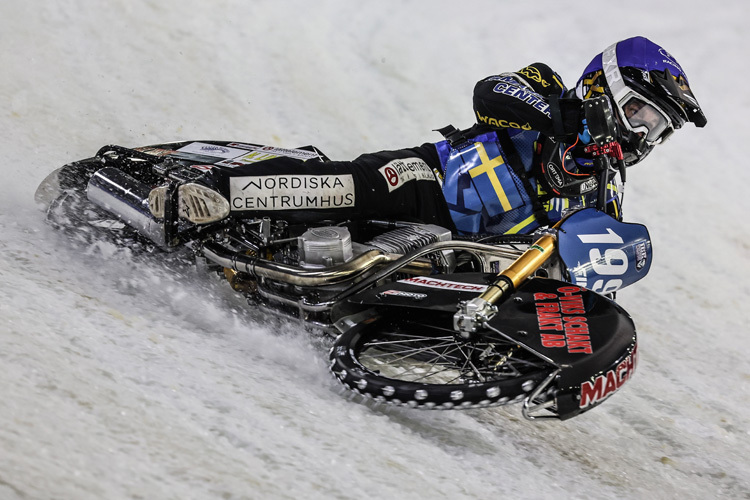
(532, 98)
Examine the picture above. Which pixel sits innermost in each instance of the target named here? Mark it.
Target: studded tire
(423, 366)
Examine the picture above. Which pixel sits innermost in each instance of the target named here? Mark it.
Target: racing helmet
(649, 91)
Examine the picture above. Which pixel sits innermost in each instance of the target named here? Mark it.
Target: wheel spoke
(418, 358)
(421, 363)
(421, 357)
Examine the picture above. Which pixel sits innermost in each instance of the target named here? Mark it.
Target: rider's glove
(584, 136)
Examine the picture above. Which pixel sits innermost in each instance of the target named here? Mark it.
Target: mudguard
(590, 338)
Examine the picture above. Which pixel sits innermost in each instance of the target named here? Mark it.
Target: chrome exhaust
(366, 268)
(298, 275)
(127, 199)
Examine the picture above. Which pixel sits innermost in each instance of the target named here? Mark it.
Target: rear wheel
(68, 209)
(427, 366)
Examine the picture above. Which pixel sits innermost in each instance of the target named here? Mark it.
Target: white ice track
(120, 380)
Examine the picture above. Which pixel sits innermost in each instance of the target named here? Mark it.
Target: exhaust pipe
(127, 198)
(296, 275)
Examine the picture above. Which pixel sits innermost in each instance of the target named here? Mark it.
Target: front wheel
(423, 365)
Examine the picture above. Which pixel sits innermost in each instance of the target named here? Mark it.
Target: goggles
(637, 113)
(642, 117)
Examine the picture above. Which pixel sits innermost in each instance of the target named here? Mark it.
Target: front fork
(472, 314)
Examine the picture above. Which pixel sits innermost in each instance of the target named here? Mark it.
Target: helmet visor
(638, 114)
(646, 118)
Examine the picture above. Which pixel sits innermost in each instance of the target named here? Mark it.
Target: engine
(325, 246)
(332, 245)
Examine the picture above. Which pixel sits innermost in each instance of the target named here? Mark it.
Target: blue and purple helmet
(649, 91)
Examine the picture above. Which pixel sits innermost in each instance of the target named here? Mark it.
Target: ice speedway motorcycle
(420, 317)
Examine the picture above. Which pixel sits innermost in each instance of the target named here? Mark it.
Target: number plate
(603, 254)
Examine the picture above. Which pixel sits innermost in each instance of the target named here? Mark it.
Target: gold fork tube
(526, 265)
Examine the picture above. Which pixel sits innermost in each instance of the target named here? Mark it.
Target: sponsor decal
(641, 255)
(669, 59)
(246, 159)
(533, 74)
(555, 176)
(537, 247)
(300, 154)
(403, 293)
(218, 150)
(589, 185)
(666, 54)
(523, 94)
(201, 148)
(398, 172)
(444, 285)
(501, 123)
(203, 168)
(603, 386)
(562, 321)
(291, 192)
(155, 151)
(262, 153)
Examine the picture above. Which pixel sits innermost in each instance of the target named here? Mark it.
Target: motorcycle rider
(518, 168)
(540, 123)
